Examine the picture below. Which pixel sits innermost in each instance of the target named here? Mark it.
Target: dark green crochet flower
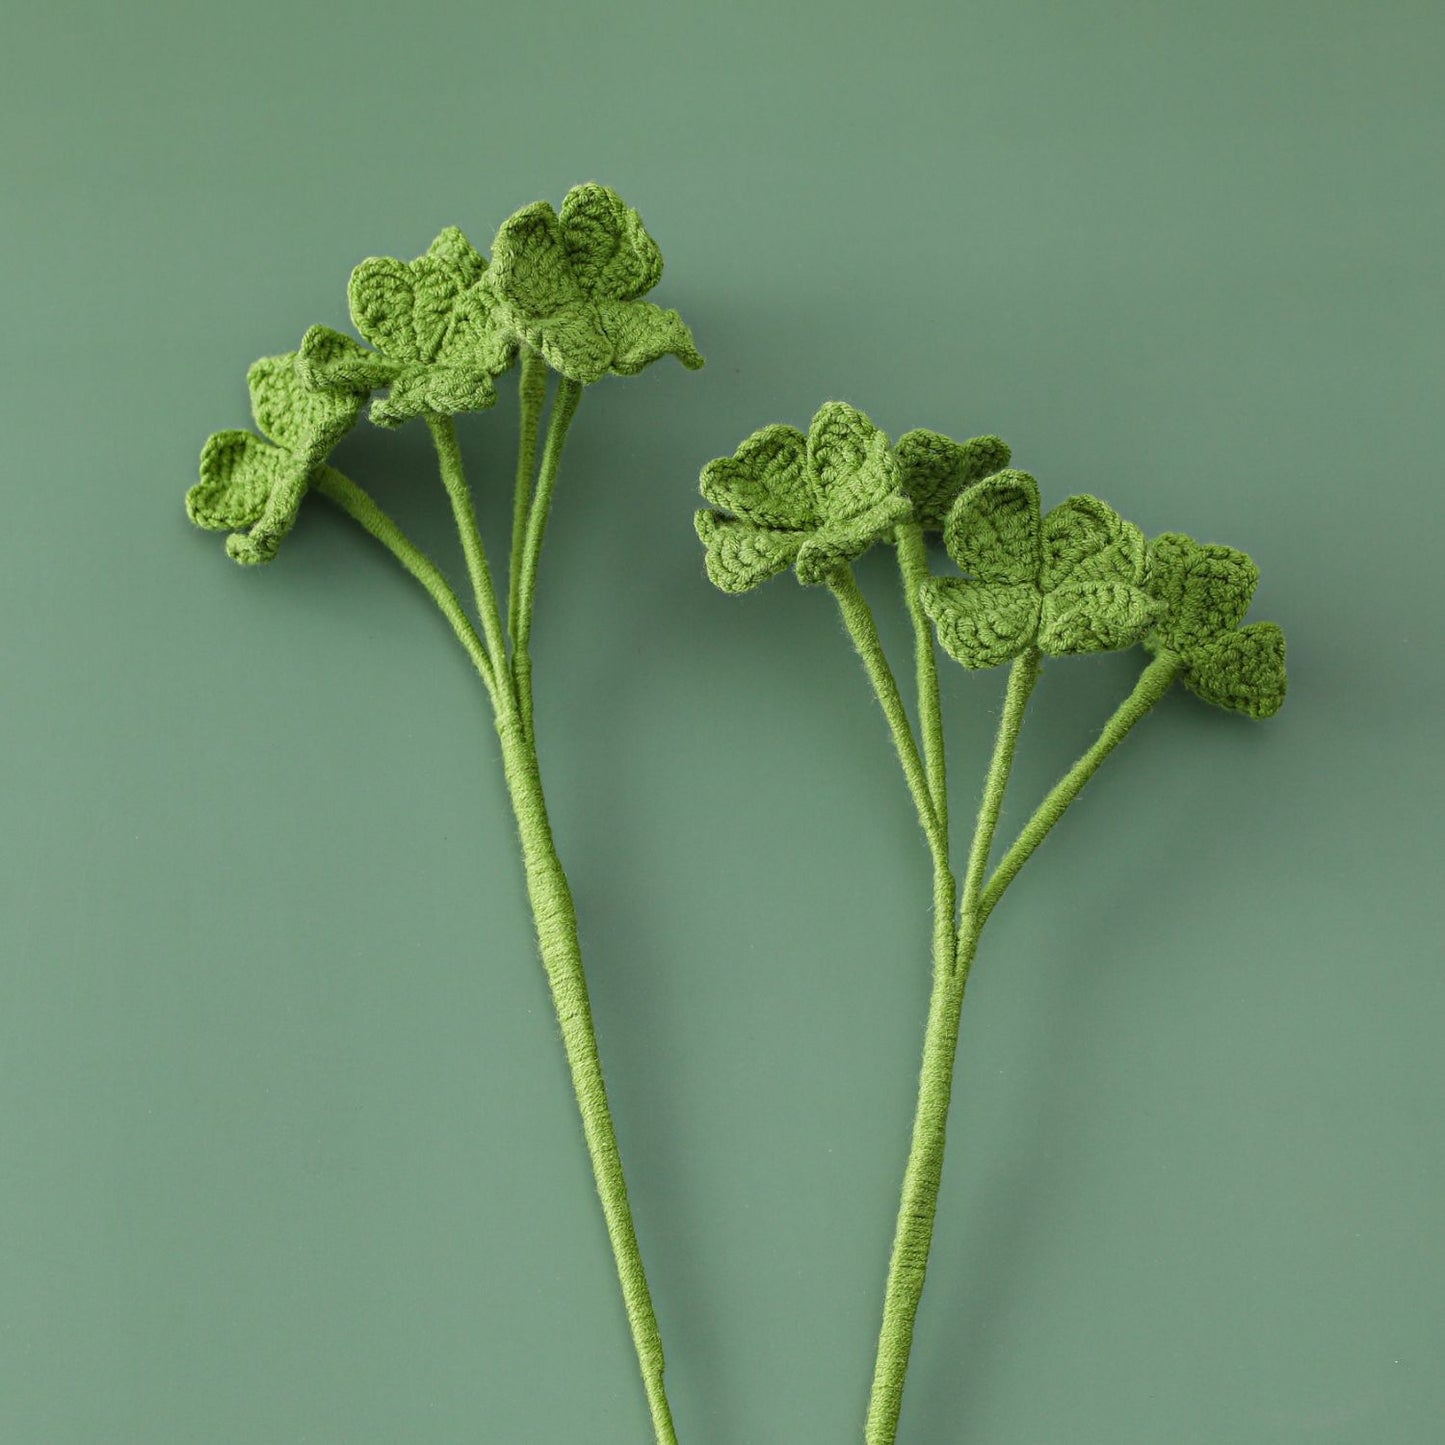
(247, 482)
(569, 286)
(816, 501)
(1067, 582)
(1204, 591)
(937, 469)
(433, 324)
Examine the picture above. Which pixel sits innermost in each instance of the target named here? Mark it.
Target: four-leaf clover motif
(1204, 591)
(432, 321)
(569, 286)
(249, 482)
(1068, 581)
(815, 501)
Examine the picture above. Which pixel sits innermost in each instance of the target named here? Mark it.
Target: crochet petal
(935, 469)
(446, 390)
(531, 273)
(853, 468)
(1243, 670)
(982, 624)
(835, 543)
(612, 256)
(993, 530)
(238, 472)
(1074, 533)
(741, 555)
(307, 422)
(640, 333)
(1094, 617)
(765, 480)
(1205, 589)
(333, 361)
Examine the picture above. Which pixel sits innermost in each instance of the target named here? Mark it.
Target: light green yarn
(440, 329)
(1031, 584)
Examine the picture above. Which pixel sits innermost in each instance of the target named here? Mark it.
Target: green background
(289, 1153)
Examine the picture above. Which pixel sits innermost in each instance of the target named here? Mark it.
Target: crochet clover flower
(937, 469)
(1205, 591)
(1068, 582)
(248, 482)
(438, 343)
(816, 501)
(569, 286)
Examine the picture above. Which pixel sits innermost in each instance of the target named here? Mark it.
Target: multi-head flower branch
(563, 292)
(1031, 585)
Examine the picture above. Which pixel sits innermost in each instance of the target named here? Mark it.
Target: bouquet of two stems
(561, 294)
(1077, 579)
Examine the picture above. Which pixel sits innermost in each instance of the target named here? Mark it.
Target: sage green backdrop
(289, 1154)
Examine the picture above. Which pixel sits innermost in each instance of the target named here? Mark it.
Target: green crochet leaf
(249, 483)
(1205, 589)
(238, 473)
(835, 543)
(853, 468)
(438, 342)
(300, 420)
(1094, 616)
(982, 624)
(1075, 534)
(1243, 670)
(993, 530)
(568, 286)
(333, 361)
(612, 256)
(766, 480)
(936, 469)
(641, 333)
(741, 554)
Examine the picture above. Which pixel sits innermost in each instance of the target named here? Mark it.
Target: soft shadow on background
(288, 1151)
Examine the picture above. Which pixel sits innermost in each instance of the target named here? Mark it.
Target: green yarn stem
(923, 1175)
(532, 391)
(858, 617)
(554, 915)
(454, 478)
(359, 505)
(564, 407)
(556, 920)
(1153, 683)
(913, 566)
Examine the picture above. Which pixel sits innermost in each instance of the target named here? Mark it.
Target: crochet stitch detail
(1067, 582)
(1204, 590)
(936, 469)
(248, 482)
(432, 322)
(569, 286)
(814, 501)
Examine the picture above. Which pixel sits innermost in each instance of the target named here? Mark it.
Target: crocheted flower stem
(1153, 683)
(556, 923)
(923, 1176)
(532, 390)
(858, 617)
(913, 566)
(564, 407)
(449, 453)
(360, 507)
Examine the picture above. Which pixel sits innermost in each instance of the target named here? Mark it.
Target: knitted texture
(1067, 582)
(569, 286)
(437, 340)
(814, 502)
(1204, 591)
(250, 483)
